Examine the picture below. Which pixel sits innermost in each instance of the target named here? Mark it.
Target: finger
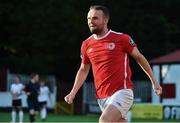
(66, 99)
(69, 102)
(158, 92)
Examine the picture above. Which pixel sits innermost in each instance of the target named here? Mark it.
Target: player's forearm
(79, 80)
(146, 68)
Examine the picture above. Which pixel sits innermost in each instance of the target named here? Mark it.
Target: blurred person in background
(43, 98)
(16, 91)
(32, 89)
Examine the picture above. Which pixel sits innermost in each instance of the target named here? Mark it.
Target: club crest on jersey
(111, 46)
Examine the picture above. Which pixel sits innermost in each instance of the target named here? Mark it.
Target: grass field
(6, 117)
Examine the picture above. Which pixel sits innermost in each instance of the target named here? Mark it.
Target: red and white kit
(110, 63)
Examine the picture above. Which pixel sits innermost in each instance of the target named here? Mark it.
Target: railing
(142, 94)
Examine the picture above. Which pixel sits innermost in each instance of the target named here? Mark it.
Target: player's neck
(102, 34)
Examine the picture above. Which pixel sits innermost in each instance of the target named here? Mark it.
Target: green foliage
(46, 35)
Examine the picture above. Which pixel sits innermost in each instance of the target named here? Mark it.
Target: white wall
(171, 74)
(155, 98)
(6, 100)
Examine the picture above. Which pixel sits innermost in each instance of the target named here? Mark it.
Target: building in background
(167, 71)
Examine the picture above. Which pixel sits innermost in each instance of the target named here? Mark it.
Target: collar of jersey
(102, 36)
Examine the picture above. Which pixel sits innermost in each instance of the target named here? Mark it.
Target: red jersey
(110, 63)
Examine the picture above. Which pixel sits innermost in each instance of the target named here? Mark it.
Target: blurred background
(45, 36)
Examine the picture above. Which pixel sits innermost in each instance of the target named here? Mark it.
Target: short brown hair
(102, 8)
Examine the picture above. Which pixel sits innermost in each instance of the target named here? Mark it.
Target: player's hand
(15, 94)
(28, 93)
(69, 98)
(157, 89)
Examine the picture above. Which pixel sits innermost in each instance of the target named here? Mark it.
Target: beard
(96, 30)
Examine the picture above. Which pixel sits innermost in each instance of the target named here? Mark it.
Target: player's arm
(142, 61)
(22, 89)
(79, 80)
(13, 94)
(27, 90)
(49, 93)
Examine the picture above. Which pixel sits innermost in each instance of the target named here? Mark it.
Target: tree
(45, 36)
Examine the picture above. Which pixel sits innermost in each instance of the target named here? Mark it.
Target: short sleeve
(128, 44)
(84, 57)
(48, 90)
(22, 87)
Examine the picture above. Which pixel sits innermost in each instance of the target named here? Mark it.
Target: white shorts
(122, 100)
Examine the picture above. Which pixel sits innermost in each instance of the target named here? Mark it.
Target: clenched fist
(69, 98)
(157, 89)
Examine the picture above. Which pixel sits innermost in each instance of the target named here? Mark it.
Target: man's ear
(106, 20)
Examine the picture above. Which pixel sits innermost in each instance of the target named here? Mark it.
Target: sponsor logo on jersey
(119, 103)
(89, 50)
(132, 41)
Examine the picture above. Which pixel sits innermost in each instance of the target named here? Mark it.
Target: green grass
(6, 117)
(154, 120)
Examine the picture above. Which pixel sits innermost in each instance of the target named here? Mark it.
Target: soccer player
(16, 92)
(43, 98)
(108, 52)
(32, 89)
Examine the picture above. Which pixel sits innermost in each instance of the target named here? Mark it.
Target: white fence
(142, 94)
(6, 100)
